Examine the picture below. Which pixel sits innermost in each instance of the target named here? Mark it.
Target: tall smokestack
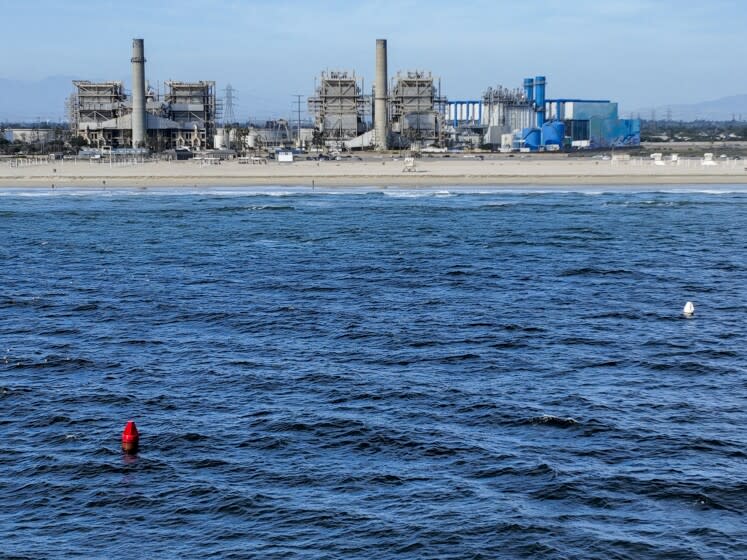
(529, 89)
(138, 94)
(539, 94)
(380, 120)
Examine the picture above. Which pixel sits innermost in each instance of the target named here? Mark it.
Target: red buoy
(130, 438)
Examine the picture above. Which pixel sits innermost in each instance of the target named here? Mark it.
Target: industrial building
(523, 119)
(184, 116)
(505, 111)
(409, 112)
(32, 135)
(593, 123)
(338, 106)
(406, 112)
(412, 105)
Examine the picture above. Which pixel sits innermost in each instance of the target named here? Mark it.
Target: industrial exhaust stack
(380, 119)
(138, 94)
(539, 94)
(529, 89)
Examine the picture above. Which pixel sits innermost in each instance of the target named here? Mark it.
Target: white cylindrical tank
(219, 139)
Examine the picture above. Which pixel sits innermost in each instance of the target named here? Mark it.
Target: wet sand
(374, 172)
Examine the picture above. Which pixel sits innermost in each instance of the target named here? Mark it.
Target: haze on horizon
(637, 52)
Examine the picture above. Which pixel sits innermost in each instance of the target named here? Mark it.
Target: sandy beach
(374, 172)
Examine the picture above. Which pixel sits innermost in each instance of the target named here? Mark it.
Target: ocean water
(398, 374)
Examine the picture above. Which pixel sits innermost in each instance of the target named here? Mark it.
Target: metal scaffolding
(93, 103)
(104, 115)
(338, 106)
(413, 106)
(194, 107)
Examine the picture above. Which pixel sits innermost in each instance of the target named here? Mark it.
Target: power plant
(338, 106)
(184, 116)
(413, 110)
(406, 112)
(411, 113)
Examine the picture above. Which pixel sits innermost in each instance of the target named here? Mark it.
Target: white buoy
(689, 309)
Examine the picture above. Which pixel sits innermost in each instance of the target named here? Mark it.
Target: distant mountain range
(723, 109)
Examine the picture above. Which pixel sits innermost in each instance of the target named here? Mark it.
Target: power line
(229, 117)
(297, 102)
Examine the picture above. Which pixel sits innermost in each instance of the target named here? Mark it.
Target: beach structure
(185, 115)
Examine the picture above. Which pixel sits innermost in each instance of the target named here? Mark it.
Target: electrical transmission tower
(297, 103)
(229, 116)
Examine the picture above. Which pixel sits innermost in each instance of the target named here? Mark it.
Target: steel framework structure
(413, 105)
(338, 106)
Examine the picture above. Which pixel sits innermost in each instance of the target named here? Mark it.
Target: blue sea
(435, 373)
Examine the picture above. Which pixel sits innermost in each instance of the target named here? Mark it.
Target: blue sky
(637, 52)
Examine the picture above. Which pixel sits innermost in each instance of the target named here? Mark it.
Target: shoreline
(374, 174)
(497, 183)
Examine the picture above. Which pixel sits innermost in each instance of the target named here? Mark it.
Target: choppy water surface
(374, 375)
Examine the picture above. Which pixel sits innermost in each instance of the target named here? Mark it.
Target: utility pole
(298, 122)
(39, 138)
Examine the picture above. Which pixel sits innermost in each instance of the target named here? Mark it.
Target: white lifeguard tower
(409, 165)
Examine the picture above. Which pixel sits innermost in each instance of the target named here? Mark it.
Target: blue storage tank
(531, 137)
(553, 133)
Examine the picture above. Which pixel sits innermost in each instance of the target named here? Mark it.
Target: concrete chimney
(380, 99)
(138, 94)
